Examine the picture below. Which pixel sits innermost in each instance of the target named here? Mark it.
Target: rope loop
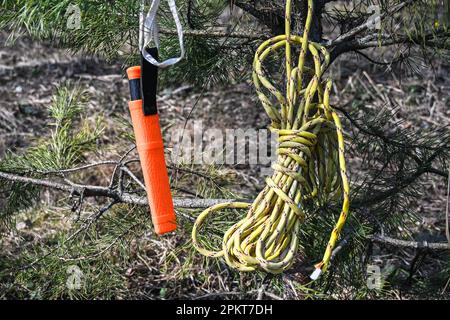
(310, 163)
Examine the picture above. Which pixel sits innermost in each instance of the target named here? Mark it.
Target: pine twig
(410, 244)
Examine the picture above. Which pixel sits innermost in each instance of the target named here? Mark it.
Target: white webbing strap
(149, 31)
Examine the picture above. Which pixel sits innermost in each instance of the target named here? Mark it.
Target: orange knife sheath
(150, 147)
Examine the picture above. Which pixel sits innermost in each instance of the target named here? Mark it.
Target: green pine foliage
(110, 29)
(106, 27)
(65, 265)
(71, 137)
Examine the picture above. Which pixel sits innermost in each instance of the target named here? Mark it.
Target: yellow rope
(310, 153)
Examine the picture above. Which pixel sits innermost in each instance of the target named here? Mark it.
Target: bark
(273, 18)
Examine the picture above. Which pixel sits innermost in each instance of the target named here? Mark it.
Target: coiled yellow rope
(310, 155)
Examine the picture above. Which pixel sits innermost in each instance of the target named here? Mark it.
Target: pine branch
(216, 34)
(410, 244)
(349, 42)
(364, 26)
(98, 191)
(376, 40)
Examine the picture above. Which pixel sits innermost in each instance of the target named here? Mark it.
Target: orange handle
(150, 147)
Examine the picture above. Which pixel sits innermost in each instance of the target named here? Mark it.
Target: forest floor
(29, 74)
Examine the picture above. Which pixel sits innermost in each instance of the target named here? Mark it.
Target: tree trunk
(272, 15)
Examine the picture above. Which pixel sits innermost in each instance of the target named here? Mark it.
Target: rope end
(316, 274)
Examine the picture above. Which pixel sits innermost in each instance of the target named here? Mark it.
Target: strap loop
(149, 31)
